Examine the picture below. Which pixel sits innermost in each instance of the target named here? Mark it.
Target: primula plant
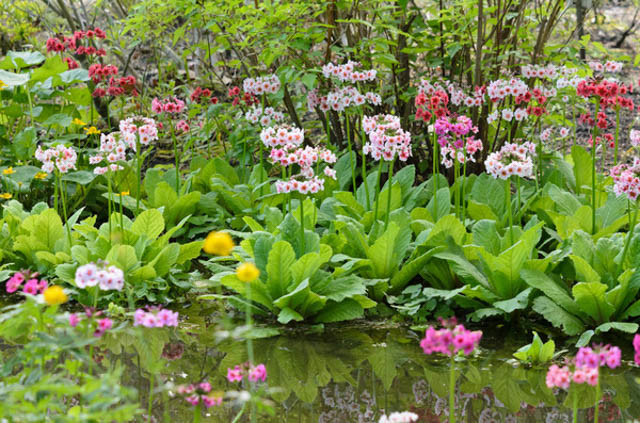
(185, 176)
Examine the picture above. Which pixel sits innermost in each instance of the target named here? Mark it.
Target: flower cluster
(32, 285)
(502, 88)
(399, 417)
(341, 98)
(626, 179)
(539, 71)
(102, 274)
(451, 339)
(99, 72)
(253, 373)
(155, 317)
(62, 43)
(511, 159)
(432, 100)
(561, 377)
(202, 95)
(455, 142)
(261, 85)
(386, 138)
(64, 158)
(169, 105)
(115, 86)
(598, 356)
(93, 319)
(248, 98)
(306, 158)
(200, 393)
(634, 136)
(348, 73)
(608, 66)
(266, 116)
(284, 136)
(146, 129)
(508, 115)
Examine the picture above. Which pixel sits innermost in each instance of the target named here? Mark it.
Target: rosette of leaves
(296, 284)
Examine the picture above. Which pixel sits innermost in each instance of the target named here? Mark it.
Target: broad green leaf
(150, 223)
(557, 316)
(281, 259)
(336, 312)
(590, 297)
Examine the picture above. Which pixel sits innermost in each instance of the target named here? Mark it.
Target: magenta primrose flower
(201, 393)
(451, 339)
(253, 373)
(155, 317)
(32, 285)
(636, 348)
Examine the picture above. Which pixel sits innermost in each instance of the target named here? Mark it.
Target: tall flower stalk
(387, 140)
(452, 339)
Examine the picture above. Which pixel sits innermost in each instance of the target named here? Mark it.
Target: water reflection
(355, 375)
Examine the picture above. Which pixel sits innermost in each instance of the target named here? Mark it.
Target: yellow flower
(2, 84)
(123, 193)
(218, 243)
(92, 130)
(8, 171)
(247, 272)
(54, 295)
(40, 175)
(5, 196)
(78, 122)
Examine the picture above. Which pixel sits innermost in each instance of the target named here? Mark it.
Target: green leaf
(410, 269)
(281, 259)
(621, 326)
(13, 79)
(286, 315)
(81, 177)
(551, 289)
(519, 302)
(590, 297)
(336, 312)
(122, 256)
(150, 223)
(189, 251)
(557, 316)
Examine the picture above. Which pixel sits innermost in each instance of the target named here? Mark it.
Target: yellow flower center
(8, 171)
(247, 272)
(6, 195)
(218, 243)
(54, 295)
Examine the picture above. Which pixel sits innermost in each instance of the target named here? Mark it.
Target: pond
(356, 373)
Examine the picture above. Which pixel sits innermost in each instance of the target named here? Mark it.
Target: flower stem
(139, 170)
(452, 389)
(150, 396)
(594, 136)
(177, 157)
(375, 213)
(353, 168)
(435, 176)
(64, 209)
(302, 240)
(364, 166)
(390, 190)
(632, 226)
(596, 410)
(617, 135)
(197, 413)
(507, 192)
(575, 407)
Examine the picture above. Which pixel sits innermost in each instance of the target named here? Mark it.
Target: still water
(356, 374)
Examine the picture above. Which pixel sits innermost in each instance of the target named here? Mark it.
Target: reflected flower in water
(253, 373)
(399, 417)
